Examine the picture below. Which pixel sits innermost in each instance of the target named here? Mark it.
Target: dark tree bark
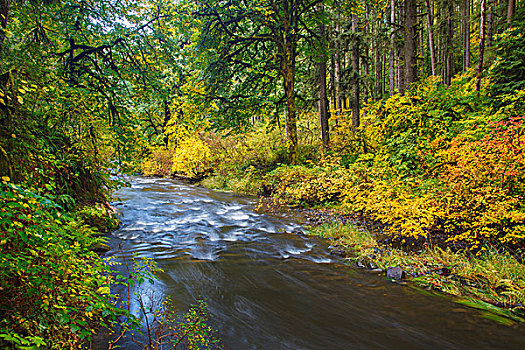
(331, 88)
(288, 72)
(489, 19)
(400, 54)
(167, 117)
(410, 43)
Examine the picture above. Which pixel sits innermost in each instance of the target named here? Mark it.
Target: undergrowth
(55, 293)
(52, 286)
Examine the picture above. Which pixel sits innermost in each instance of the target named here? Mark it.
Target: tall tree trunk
(331, 88)
(489, 24)
(467, 34)
(400, 72)
(392, 46)
(383, 74)
(355, 73)
(510, 11)
(366, 61)
(400, 55)
(410, 42)
(481, 44)
(431, 38)
(323, 105)
(448, 51)
(338, 72)
(167, 117)
(288, 72)
(323, 99)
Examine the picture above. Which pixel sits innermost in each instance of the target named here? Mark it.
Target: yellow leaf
(103, 290)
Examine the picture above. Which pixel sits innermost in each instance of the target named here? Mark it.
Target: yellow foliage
(192, 157)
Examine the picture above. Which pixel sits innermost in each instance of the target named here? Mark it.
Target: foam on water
(297, 251)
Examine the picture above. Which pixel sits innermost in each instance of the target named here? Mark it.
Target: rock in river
(394, 272)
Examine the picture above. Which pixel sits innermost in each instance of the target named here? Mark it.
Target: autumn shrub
(402, 130)
(484, 184)
(437, 160)
(309, 184)
(53, 289)
(474, 194)
(192, 157)
(260, 148)
(159, 163)
(240, 162)
(402, 204)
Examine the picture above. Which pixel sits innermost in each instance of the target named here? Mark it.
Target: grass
(493, 280)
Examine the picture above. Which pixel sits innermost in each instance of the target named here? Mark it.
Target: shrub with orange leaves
(484, 184)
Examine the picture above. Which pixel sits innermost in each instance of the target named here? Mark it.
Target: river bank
(487, 278)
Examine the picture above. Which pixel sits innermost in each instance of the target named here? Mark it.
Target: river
(269, 289)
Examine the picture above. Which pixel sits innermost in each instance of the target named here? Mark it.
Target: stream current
(269, 289)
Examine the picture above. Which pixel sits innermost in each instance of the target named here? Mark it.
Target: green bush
(53, 287)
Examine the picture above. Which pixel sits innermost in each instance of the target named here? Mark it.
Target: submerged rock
(395, 272)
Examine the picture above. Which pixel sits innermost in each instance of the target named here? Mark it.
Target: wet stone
(360, 265)
(338, 252)
(394, 272)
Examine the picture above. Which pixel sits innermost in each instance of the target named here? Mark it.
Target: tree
(268, 30)
(392, 46)
(431, 38)
(410, 43)
(323, 98)
(510, 10)
(481, 44)
(467, 35)
(355, 73)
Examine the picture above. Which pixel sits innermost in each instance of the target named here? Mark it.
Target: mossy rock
(100, 248)
(102, 217)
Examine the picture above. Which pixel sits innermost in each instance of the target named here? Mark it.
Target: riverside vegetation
(406, 113)
(451, 203)
(440, 166)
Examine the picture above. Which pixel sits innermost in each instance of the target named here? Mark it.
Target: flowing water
(269, 289)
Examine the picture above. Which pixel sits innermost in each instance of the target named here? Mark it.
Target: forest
(405, 114)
